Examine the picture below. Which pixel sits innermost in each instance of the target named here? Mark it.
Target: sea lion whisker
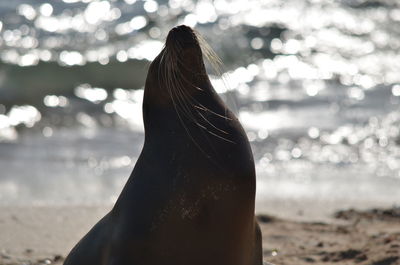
(188, 132)
(209, 53)
(200, 106)
(178, 89)
(215, 67)
(187, 98)
(190, 98)
(183, 98)
(170, 90)
(181, 75)
(219, 136)
(185, 108)
(203, 108)
(215, 61)
(180, 86)
(160, 64)
(165, 76)
(210, 123)
(215, 134)
(212, 133)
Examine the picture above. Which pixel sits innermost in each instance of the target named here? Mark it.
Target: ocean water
(316, 84)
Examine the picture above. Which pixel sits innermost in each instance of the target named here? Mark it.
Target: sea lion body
(190, 198)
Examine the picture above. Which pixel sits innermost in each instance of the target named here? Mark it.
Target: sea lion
(190, 198)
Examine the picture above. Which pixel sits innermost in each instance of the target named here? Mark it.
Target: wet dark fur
(190, 198)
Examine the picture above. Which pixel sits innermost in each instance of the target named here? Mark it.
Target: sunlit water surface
(316, 85)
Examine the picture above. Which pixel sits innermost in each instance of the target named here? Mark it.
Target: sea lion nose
(183, 31)
(182, 28)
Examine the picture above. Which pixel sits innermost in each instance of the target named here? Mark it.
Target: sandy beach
(44, 235)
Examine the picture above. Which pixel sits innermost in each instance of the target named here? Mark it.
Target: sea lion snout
(182, 35)
(184, 54)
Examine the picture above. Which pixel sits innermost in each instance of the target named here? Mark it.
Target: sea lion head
(179, 97)
(184, 52)
(178, 72)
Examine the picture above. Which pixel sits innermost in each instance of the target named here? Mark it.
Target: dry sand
(353, 237)
(44, 235)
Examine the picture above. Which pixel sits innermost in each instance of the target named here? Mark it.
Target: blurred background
(315, 83)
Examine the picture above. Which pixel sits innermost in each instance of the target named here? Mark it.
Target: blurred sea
(315, 83)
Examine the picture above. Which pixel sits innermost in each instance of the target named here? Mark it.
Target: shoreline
(45, 234)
